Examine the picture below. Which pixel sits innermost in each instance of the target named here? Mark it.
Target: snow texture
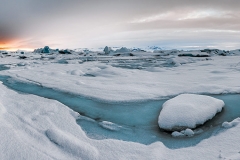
(188, 111)
(231, 124)
(188, 132)
(94, 74)
(38, 128)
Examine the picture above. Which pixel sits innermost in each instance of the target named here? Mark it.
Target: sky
(179, 24)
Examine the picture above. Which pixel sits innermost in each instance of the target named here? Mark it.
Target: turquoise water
(132, 121)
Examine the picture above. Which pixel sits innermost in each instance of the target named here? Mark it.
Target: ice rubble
(104, 81)
(123, 50)
(188, 111)
(107, 50)
(231, 124)
(194, 54)
(46, 50)
(187, 132)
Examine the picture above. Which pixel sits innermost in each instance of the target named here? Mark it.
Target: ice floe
(231, 124)
(188, 111)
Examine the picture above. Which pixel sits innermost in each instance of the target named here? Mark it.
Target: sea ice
(188, 132)
(107, 50)
(123, 50)
(231, 124)
(40, 128)
(110, 126)
(188, 111)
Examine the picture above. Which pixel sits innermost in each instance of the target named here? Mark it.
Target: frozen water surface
(139, 63)
(128, 121)
(3, 67)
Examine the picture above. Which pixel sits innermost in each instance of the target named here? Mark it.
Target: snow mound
(71, 144)
(77, 72)
(177, 61)
(188, 111)
(231, 124)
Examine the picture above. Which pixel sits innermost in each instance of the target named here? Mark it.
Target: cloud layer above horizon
(184, 24)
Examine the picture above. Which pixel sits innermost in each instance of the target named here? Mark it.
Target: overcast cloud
(96, 23)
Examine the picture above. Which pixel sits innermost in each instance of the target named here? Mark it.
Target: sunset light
(119, 79)
(13, 46)
(90, 24)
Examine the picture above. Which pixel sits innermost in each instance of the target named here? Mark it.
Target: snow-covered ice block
(177, 134)
(188, 132)
(110, 126)
(188, 111)
(231, 124)
(77, 72)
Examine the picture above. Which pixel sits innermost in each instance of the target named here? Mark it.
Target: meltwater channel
(127, 121)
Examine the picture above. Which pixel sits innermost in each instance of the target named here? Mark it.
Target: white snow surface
(188, 132)
(39, 128)
(192, 75)
(36, 128)
(231, 124)
(188, 111)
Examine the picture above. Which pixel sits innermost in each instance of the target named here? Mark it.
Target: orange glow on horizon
(13, 46)
(15, 49)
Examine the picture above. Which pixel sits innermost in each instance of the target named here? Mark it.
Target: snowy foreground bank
(38, 128)
(33, 127)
